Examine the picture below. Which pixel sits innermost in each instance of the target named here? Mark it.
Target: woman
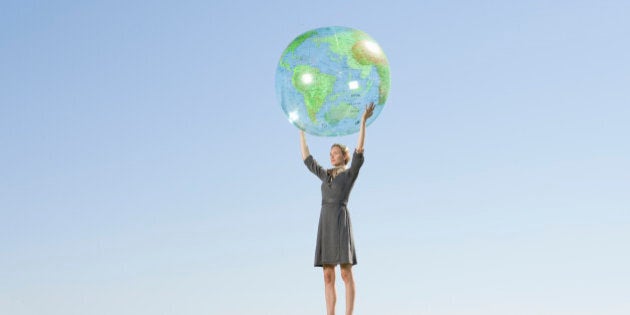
(335, 245)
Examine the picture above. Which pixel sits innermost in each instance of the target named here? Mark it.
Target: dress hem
(335, 264)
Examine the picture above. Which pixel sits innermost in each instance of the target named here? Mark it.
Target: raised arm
(303, 146)
(310, 163)
(367, 114)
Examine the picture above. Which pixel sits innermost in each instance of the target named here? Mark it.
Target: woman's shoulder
(357, 154)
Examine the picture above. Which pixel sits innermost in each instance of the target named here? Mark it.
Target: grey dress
(335, 244)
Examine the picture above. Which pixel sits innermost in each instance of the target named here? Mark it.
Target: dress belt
(334, 203)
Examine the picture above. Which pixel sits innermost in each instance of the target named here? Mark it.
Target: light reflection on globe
(327, 76)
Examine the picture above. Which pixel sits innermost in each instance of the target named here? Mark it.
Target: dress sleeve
(315, 168)
(355, 165)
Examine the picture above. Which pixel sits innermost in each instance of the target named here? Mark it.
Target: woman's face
(336, 156)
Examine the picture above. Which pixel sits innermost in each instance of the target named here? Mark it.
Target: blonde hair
(344, 150)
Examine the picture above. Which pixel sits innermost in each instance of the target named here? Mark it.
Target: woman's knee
(329, 274)
(346, 273)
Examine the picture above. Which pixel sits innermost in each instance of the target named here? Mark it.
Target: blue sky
(147, 167)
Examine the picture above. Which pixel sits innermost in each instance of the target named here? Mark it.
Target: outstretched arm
(303, 146)
(310, 163)
(367, 114)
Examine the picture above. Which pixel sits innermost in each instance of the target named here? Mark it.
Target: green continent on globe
(383, 87)
(339, 112)
(341, 45)
(362, 53)
(294, 45)
(314, 85)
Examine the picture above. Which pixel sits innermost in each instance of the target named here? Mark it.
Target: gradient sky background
(147, 168)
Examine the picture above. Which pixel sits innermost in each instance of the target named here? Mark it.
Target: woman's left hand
(369, 110)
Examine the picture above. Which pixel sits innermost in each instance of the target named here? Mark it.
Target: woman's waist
(334, 202)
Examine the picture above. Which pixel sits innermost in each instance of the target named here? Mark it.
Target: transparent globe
(327, 76)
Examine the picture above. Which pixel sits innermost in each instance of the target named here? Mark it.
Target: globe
(327, 76)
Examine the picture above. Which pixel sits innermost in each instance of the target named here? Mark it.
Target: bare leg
(348, 279)
(329, 284)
